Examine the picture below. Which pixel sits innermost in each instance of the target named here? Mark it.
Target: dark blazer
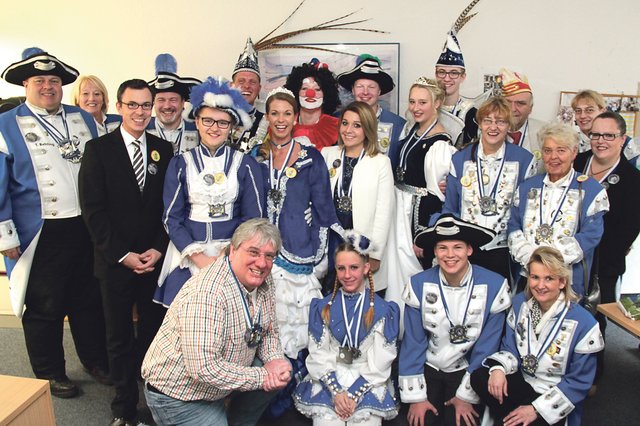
(119, 217)
(621, 224)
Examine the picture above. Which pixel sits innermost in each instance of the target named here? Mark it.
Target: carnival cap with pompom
(359, 242)
(367, 67)
(35, 62)
(168, 81)
(448, 227)
(217, 93)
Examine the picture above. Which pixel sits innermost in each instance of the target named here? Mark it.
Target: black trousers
(61, 283)
(607, 295)
(520, 393)
(496, 260)
(126, 348)
(441, 387)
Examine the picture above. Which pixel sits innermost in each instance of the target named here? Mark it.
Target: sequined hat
(168, 81)
(367, 67)
(248, 60)
(449, 227)
(217, 93)
(513, 83)
(451, 55)
(34, 62)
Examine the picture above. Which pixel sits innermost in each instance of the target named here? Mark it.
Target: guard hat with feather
(451, 55)
(367, 67)
(248, 60)
(449, 227)
(35, 62)
(168, 81)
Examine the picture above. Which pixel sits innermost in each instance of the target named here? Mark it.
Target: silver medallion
(344, 204)
(544, 233)
(530, 364)
(336, 163)
(400, 172)
(208, 179)
(254, 335)
(152, 168)
(613, 179)
(458, 334)
(275, 195)
(217, 210)
(488, 206)
(431, 298)
(31, 137)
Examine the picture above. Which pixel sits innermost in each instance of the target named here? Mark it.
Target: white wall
(560, 45)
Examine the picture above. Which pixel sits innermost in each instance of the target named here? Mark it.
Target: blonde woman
(90, 94)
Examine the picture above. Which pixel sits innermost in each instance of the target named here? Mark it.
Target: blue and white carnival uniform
(299, 186)
(466, 185)
(480, 305)
(390, 127)
(206, 197)
(368, 377)
(566, 214)
(110, 122)
(567, 363)
(39, 178)
(183, 138)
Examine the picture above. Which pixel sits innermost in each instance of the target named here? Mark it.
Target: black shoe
(119, 421)
(63, 388)
(99, 375)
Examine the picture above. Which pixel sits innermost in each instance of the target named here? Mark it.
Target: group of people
(223, 255)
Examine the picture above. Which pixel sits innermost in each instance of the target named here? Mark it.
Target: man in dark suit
(120, 182)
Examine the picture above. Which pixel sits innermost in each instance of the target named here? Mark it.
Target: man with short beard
(171, 92)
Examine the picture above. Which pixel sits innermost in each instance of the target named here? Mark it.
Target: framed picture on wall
(275, 65)
(626, 105)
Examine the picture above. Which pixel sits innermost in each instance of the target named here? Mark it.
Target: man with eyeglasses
(217, 358)
(367, 81)
(121, 183)
(171, 92)
(606, 163)
(46, 246)
(524, 130)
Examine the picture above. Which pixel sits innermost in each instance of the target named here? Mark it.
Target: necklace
(593, 173)
(281, 145)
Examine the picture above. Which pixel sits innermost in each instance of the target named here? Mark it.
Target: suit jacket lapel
(122, 157)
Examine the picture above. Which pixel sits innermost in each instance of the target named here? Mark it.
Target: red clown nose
(310, 93)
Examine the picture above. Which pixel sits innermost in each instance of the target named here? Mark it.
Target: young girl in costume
(352, 344)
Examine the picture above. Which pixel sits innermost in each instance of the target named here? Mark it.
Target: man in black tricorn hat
(453, 320)
(46, 246)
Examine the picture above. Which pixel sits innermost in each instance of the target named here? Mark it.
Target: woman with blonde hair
(351, 365)
(547, 358)
(361, 182)
(90, 94)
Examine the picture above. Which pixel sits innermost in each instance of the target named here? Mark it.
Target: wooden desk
(25, 402)
(613, 312)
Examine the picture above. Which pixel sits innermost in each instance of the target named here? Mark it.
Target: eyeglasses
(454, 75)
(606, 136)
(208, 122)
(499, 122)
(134, 105)
(255, 254)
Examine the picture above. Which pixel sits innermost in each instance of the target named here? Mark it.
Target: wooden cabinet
(25, 402)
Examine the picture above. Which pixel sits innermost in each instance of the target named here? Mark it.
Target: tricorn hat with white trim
(35, 62)
(168, 81)
(367, 67)
(449, 227)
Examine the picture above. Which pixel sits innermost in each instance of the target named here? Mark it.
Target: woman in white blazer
(361, 183)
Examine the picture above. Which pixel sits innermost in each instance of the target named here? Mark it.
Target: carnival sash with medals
(344, 200)
(544, 233)
(488, 204)
(407, 148)
(68, 148)
(255, 333)
(217, 204)
(458, 332)
(275, 194)
(176, 143)
(530, 361)
(349, 351)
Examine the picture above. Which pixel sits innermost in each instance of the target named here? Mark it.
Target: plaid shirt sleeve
(271, 347)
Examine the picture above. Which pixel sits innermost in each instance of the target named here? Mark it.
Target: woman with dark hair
(208, 190)
(362, 183)
(547, 358)
(483, 180)
(352, 346)
(316, 92)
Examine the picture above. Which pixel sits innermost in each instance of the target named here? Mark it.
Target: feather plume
(463, 18)
(266, 43)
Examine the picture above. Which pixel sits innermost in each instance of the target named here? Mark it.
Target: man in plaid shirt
(220, 338)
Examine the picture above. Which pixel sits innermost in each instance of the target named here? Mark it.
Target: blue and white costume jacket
(110, 122)
(462, 197)
(390, 127)
(37, 182)
(184, 138)
(368, 378)
(577, 222)
(567, 366)
(426, 336)
(206, 197)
